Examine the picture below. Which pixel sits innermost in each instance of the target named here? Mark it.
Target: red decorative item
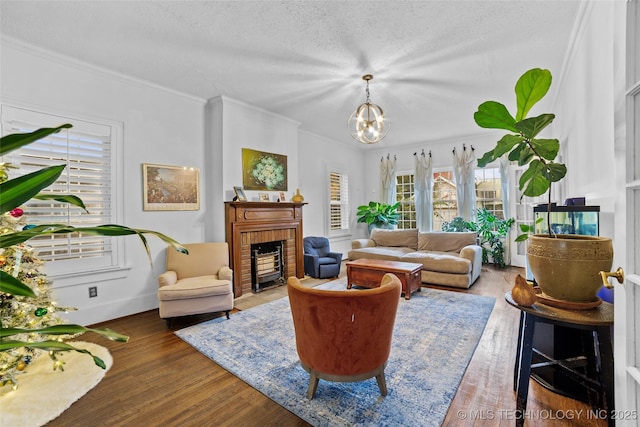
(16, 213)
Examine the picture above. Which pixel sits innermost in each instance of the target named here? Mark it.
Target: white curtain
(504, 184)
(464, 177)
(388, 180)
(423, 190)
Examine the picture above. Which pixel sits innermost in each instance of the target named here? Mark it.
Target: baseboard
(91, 315)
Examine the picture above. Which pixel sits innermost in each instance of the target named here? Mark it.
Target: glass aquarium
(569, 219)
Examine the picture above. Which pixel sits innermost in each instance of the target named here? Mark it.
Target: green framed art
(263, 171)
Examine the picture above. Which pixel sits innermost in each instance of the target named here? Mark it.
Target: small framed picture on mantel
(240, 196)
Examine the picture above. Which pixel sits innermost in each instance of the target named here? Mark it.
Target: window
(445, 198)
(405, 195)
(86, 150)
(489, 191)
(338, 202)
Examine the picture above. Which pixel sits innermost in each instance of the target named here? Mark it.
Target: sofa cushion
(439, 261)
(443, 241)
(396, 238)
(379, 252)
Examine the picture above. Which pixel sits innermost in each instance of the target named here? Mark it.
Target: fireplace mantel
(250, 223)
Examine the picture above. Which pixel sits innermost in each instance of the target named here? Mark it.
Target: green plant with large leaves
(491, 232)
(523, 144)
(379, 214)
(14, 193)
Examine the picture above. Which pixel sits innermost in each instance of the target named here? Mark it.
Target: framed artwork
(282, 198)
(264, 197)
(170, 188)
(263, 171)
(240, 194)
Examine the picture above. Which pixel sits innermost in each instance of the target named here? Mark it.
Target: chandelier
(367, 123)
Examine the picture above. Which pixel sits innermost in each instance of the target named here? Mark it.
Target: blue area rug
(435, 335)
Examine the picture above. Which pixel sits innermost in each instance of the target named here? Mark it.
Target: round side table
(597, 320)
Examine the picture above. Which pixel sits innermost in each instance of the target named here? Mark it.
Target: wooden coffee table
(368, 273)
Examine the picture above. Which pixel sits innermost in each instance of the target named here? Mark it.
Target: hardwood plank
(158, 379)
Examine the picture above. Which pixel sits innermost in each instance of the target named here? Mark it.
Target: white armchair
(200, 282)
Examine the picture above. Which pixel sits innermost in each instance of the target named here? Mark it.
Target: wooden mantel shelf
(265, 204)
(248, 223)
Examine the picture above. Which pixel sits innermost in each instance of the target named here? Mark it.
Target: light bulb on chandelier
(367, 123)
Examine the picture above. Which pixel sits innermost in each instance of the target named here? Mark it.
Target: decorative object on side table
(264, 197)
(554, 260)
(523, 292)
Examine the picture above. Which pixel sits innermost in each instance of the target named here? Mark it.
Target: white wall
(317, 157)
(160, 126)
(584, 108)
(164, 127)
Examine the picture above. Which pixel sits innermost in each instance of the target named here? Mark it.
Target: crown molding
(85, 66)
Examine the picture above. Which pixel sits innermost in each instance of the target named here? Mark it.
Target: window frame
(345, 205)
(409, 202)
(77, 270)
(437, 223)
(481, 202)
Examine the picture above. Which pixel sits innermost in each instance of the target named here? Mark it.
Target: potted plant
(379, 215)
(491, 230)
(15, 192)
(551, 257)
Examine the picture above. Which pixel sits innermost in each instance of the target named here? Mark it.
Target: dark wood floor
(157, 379)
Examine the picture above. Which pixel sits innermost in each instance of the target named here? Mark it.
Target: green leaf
(555, 171)
(63, 198)
(531, 87)
(15, 192)
(546, 148)
(523, 155)
(66, 329)
(494, 115)
(504, 145)
(11, 285)
(11, 239)
(533, 182)
(530, 127)
(14, 141)
(521, 238)
(54, 346)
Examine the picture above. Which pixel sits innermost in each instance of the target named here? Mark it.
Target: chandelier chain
(368, 101)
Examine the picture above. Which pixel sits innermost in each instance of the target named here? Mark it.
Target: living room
(155, 124)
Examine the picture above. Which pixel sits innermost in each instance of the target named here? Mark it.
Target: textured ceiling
(433, 62)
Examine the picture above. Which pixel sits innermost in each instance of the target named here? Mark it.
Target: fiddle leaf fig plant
(523, 144)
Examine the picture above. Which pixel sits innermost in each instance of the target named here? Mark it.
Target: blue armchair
(319, 261)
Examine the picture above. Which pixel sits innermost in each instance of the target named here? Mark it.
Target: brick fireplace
(252, 223)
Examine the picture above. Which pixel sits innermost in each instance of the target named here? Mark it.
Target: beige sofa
(447, 258)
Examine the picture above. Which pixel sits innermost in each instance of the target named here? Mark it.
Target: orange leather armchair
(344, 335)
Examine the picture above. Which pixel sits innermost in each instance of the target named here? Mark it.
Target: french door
(627, 296)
